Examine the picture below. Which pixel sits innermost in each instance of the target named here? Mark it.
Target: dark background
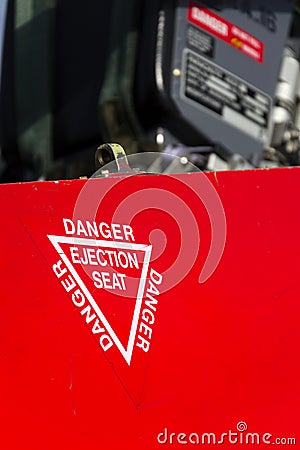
(53, 68)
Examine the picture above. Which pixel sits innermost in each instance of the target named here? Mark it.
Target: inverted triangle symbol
(57, 240)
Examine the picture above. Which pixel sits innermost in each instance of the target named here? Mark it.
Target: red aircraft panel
(151, 311)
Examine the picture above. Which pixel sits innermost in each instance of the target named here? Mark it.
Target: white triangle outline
(57, 240)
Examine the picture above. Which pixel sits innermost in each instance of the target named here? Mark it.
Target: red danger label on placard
(226, 31)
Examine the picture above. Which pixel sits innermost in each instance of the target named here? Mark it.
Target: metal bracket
(112, 153)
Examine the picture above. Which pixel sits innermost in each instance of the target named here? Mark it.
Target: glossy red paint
(221, 352)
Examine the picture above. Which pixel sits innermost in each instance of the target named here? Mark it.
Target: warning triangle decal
(109, 275)
(118, 268)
